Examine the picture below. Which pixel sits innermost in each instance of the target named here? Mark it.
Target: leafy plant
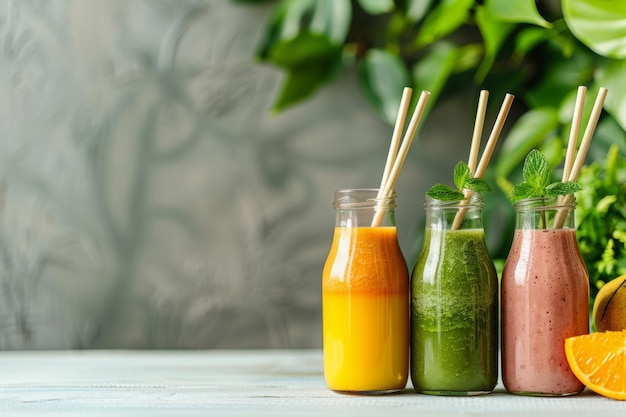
(538, 50)
(601, 218)
(464, 180)
(537, 180)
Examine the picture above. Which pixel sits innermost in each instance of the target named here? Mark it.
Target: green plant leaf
(528, 38)
(599, 24)
(537, 175)
(469, 57)
(528, 132)
(612, 157)
(332, 18)
(416, 9)
(516, 11)
(560, 77)
(397, 25)
(494, 33)
(608, 135)
(304, 51)
(311, 60)
(620, 235)
(559, 36)
(613, 77)
(462, 174)
(562, 188)
(325, 17)
(383, 77)
(521, 191)
(463, 179)
(443, 192)
(273, 30)
(443, 20)
(601, 216)
(536, 170)
(299, 85)
(375, 7)
(434, 69)
(552, 149)
(603, 206)
(607, 263)
(477, 184)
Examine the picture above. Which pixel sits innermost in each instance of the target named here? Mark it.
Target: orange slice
(599, 361)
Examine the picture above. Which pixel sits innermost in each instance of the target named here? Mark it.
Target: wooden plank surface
(233, 383)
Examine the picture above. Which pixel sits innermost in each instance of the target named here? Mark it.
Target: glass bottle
(365, 297)
(454, 303)
(545, 299)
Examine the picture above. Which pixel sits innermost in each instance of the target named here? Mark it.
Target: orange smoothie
(365, 311)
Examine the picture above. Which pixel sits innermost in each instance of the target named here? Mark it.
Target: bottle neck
(454, 215)
(364, 217)
(364, 208)
(545, 213)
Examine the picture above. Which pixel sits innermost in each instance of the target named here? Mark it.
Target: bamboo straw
(495, 134)
(474, 149)
(570, 154)
(559, 219)
(488, 151)
(389, 185)
(588, 135)
(396, 136)
(407, 140)
(478, 130)
(573, 134)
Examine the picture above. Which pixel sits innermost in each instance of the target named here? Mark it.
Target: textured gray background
(149, 199)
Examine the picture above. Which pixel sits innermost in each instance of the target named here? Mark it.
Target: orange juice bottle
(365, 297)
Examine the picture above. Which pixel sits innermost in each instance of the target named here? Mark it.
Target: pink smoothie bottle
(545, 299)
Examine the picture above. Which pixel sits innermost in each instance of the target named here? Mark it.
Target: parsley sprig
(463, 180)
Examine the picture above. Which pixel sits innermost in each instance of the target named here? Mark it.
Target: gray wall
(149, 199)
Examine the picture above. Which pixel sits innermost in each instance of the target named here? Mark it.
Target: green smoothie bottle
(454, 303)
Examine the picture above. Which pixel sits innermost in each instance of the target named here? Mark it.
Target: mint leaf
(537, 175)
(562, 188)
(463, 180)
(443, 192)
(477, 184)
(536, 170)
(462, 174)
(522, 191)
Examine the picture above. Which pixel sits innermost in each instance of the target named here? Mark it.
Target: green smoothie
(454, 315)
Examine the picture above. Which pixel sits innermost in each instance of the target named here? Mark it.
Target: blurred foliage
(601, 218)
(538, 50)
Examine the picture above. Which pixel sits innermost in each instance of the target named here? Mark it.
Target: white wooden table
(233, 383)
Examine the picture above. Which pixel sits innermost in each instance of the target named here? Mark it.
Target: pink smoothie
(545, 296)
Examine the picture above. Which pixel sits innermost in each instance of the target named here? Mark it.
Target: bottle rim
(363, 198)
(546, 203)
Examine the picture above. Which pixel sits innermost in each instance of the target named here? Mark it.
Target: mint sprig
(537, 180)
(463, 180)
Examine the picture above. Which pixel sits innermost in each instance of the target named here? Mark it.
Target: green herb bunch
(601, 218)
(537, 182)
(463, 180)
